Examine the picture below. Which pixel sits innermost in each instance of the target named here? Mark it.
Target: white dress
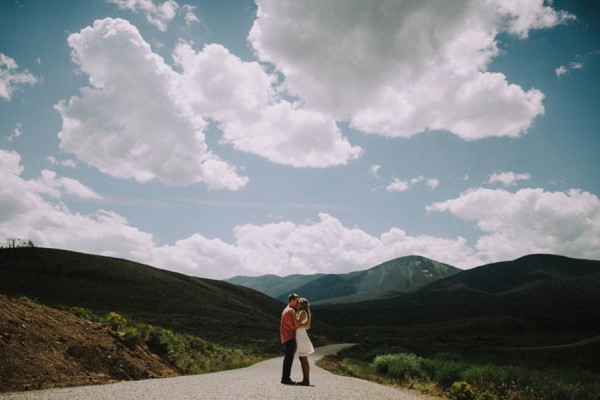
(303, 345)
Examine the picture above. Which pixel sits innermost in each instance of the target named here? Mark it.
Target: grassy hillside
(524, 329)
(220, 312)
(542, 291)
(402, 274)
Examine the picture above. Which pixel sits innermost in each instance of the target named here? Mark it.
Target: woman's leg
(305, 370)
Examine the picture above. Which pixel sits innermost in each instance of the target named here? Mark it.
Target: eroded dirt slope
(42, 348)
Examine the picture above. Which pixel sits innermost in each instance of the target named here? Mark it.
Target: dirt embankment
(43, 348)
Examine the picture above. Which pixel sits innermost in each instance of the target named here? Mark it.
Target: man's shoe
(288, 382)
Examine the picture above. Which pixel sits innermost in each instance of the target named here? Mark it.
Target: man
(287, 332)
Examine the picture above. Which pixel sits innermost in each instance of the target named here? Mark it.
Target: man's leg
(288, 359)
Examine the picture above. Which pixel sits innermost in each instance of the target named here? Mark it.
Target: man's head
(293, 299)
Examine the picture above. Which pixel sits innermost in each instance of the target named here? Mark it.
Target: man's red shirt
(287, 328)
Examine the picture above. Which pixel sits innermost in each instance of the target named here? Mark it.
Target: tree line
(13, 243)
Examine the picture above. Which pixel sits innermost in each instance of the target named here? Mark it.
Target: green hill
(400, 275)
(546, 292)
(214, 310)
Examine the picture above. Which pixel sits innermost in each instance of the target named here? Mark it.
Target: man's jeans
(288, 359)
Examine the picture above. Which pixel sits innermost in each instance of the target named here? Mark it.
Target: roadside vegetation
(189, 354)
(434, 359)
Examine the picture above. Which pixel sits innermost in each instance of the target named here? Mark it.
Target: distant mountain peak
(399, 275)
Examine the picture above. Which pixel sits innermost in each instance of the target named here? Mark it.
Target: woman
(304, 346)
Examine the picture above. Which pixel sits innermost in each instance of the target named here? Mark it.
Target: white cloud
(328, 246)
(508, 178)
(514, 224)
(530, 221)
(416, 180)
(398, 185)
(32, 209)
(576, 65)
(10, 161)
(189, 15)
(130, 122)
(48, 183)
(141, 119)
(158, 15)
(573, 65)
(519, 17)
(433, 183)
(400, 68)
(11, 78)
(58, 185)
(65, 163)
(241, 97)
(285, 134)
(16, 133)
(374, 171)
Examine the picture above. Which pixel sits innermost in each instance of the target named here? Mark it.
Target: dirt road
(260, 381)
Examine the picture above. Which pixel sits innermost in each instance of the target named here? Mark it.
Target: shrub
(499, 375)
(26, 299)
(487, 396)
(191, 354)
(131, 332)
(115, 321)
(84, 313)
(462, 391)
(382, 363)
(400, 366)
(444, 372)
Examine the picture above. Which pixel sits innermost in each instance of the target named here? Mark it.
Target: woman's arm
(299, 317)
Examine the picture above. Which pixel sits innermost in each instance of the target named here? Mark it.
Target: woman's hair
(303, 304)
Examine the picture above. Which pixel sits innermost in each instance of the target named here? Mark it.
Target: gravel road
(260, 381)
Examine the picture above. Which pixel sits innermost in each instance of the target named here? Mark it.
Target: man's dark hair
(292, 296)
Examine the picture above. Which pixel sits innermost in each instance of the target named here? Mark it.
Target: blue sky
(240, 138)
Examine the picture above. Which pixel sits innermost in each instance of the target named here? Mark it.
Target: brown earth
(43, 348)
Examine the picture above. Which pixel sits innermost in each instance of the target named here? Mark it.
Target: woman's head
(303, 303)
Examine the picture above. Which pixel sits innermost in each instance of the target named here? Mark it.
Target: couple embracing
(295, 320)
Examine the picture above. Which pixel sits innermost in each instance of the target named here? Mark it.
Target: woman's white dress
(303, 345)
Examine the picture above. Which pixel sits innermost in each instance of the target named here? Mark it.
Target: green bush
(401, 366)
(462, 391)
(487, 396)
(26, 299)
(115, 321)
(382, 363)
(84, 313)
(444, 372)
(499, 375)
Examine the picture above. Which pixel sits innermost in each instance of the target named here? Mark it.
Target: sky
(280, 137)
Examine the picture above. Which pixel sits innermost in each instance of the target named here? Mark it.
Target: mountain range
(541, 291)
(401, 275)
(546, 292)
